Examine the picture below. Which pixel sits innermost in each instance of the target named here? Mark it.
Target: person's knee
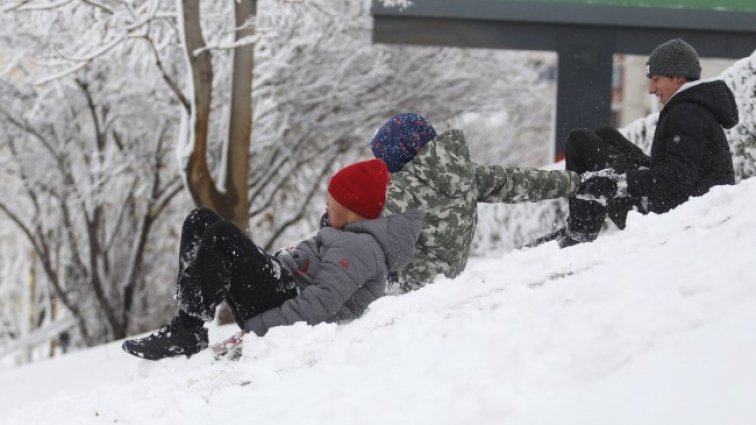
(610, 135)
(607, 131)
(222, 229)
(198, 216)
(578, 140)
(203, 213)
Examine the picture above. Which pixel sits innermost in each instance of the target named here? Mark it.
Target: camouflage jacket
(443, 182)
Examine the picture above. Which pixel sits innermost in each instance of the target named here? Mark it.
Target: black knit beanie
(675, 57)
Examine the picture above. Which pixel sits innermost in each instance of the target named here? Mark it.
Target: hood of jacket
(712, 94)
(444, 164)
(396, 234)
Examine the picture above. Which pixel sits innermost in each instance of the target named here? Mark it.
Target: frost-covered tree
(228, 196)
(86, 136)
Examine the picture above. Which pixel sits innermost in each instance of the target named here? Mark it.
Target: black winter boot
(173, 339)
(564, 238)
(553, 236)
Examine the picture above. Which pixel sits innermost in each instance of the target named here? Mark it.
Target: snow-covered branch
(31, 5)
(105, 8)
(246, 41)
(401, 4)
(84, 171)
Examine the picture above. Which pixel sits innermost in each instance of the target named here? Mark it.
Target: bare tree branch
(121, 215)
(24, 5)
(304, 206)
(170, 191)
(143, 232)
(99, 5)
(168, 80)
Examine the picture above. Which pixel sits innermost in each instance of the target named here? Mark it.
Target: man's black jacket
(690, 153)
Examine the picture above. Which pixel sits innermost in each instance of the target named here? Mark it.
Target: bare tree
(87, 154)
(230, 199)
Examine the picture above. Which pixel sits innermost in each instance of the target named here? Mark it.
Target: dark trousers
(218, 262)
(587, 150)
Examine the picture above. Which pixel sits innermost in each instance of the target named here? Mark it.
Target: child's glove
(230, 349)
(324, 221)
(600, 186)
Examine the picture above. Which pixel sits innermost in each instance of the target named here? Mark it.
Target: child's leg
(229, 266)
(195, 225)
(185, 334)
(257, 281)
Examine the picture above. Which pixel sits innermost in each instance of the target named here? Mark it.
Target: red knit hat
(361, 187)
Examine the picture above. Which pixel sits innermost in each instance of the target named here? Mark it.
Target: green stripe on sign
(723, 5)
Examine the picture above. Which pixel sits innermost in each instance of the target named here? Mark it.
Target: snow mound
(651, 325)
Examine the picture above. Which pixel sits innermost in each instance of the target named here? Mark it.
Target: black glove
(602, 185)
(598, 187)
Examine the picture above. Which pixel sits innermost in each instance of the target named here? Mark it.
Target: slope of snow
(652, 325)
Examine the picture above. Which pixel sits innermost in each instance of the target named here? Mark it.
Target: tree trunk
(240, 124)
(232, 202)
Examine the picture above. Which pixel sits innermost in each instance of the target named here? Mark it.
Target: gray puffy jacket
(340, 272)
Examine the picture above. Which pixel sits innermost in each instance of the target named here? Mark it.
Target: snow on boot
(173, 339)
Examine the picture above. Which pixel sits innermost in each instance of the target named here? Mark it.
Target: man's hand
(600, 186)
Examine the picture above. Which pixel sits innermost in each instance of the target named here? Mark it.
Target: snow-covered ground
(653, 325)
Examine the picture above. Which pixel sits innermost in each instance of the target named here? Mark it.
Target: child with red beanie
(333, 276)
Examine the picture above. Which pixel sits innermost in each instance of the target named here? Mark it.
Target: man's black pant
(587, 150)
(218, 262)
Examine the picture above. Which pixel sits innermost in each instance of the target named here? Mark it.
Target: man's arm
(499, 184)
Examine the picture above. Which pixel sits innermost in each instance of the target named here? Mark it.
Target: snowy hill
(653, 325)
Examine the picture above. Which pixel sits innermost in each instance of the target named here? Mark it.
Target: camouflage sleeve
(499, 184)
(417, 274)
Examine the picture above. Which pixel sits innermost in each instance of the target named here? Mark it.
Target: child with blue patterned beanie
(400, 139)
(433, 172)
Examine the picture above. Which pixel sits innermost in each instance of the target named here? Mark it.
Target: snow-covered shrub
(741, 78)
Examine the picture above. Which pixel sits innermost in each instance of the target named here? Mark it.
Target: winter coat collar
(396, 234)
(713, 94)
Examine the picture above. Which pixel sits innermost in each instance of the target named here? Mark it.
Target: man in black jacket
(689, 154)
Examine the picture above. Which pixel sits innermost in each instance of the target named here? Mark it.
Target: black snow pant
(218, 262)
(587, 150)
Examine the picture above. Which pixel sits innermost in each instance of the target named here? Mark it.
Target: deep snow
(652, 325)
